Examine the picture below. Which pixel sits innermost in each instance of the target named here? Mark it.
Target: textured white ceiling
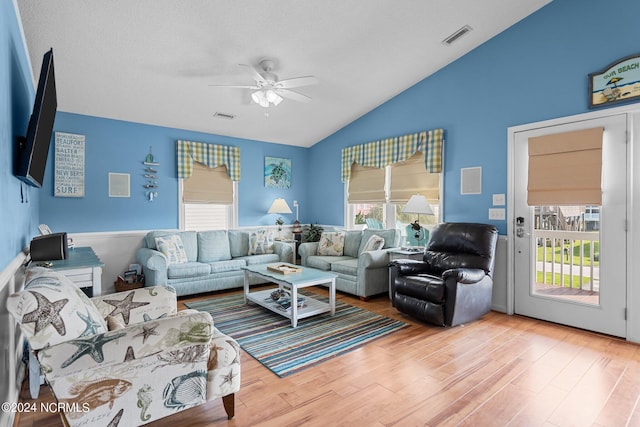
(152, 61)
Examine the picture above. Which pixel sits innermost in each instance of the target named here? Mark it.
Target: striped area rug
(270, 339)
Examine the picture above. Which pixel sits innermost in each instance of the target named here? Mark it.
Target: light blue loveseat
(361, 273)
(215, 260)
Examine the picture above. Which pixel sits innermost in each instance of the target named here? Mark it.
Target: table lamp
(418, 204)
(279, 206)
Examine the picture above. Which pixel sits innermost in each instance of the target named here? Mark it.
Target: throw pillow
(375, 243)
(331, 244)
(260, 242)
(52, 310)
(115, 323)
(172, 248)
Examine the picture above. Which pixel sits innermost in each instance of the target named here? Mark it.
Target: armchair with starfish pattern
(123, 359)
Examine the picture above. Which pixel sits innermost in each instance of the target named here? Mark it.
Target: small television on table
(31, 159)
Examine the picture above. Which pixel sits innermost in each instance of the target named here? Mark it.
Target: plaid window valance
(211, 155)
(380, 154)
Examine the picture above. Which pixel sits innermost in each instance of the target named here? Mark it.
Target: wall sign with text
(69, 165)
(618, 82)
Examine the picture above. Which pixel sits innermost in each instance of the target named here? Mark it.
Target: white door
(569, 261)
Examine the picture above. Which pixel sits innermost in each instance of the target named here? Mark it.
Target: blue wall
(533, 71)
(120, 147)
(18, 214)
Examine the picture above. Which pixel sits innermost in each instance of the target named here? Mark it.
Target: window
(387, 214)
(207, 199)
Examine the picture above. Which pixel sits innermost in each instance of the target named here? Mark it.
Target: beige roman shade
(566, 168)
(410, 177)
(208, 185)
(366, 184)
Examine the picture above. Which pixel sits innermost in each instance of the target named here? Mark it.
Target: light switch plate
(499, 200)
(497, 213)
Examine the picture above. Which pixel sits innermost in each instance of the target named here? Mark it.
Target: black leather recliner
(453, 284)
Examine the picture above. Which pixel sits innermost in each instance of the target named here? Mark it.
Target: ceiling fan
(268, 89)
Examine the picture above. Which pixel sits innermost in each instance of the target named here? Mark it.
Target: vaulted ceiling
(153, 61)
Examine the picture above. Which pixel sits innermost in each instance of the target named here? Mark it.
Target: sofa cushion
(172, 248)
(189, 241)
(52, 310)
(189, 269)
(389, 237)
(261, 242)
(238, 243)
(375, 243)
(228, 265)
(260, 259)
(352, 242)
(348, 267)
(213, 246)
(324, 262)
(331, 243)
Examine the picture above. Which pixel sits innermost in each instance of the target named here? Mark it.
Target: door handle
(521, 233)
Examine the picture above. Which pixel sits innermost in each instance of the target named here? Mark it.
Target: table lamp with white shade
(418, 204)
(279, 206)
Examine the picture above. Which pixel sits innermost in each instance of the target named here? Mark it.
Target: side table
(404, 254)
(82, 266)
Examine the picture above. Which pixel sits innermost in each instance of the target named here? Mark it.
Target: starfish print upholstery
(124, 306)
(227, 378)
(91, 346)
(146, 333)
(92, 325)
(47, 313)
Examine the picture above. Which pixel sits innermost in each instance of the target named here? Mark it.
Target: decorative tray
(284, 269)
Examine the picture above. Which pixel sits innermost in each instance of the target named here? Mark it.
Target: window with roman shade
(366, 185)
(565, 169)
(367, 174)
(409, 177)
(208, 173)
(208, 185)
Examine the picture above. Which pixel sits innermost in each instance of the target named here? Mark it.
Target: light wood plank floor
(498, 371)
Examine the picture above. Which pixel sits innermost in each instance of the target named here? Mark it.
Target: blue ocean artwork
(277, 172)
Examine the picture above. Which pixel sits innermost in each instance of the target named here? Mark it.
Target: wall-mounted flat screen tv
(34, 148)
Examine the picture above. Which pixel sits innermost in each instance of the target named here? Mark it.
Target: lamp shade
(418, 204)
(279, 206)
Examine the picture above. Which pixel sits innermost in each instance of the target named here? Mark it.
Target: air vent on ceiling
(224, 116)
(455, 36)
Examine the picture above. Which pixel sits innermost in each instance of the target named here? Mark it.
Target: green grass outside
(566, 280)
(574, 252)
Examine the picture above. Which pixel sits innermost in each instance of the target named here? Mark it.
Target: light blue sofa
(215, 260)
(360, 273)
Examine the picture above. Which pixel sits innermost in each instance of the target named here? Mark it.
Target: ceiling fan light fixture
(273, 97)
(265, 98)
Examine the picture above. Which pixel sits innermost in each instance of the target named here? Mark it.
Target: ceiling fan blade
(253, 72)
(238, 86)
(297, 82)
(290, 94)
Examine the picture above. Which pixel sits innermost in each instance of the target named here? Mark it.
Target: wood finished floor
(498, 371)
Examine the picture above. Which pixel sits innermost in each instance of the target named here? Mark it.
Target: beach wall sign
(618, 82)
(69, 165)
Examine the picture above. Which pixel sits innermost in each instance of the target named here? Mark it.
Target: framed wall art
(616, 83)
(277, 172)
(68, 165)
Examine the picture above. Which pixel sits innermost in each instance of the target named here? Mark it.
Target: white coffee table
(292, 282)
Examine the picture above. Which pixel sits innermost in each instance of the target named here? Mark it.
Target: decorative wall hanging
(618, 82)
(151, 176)
(69, 165)
(277, 172)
